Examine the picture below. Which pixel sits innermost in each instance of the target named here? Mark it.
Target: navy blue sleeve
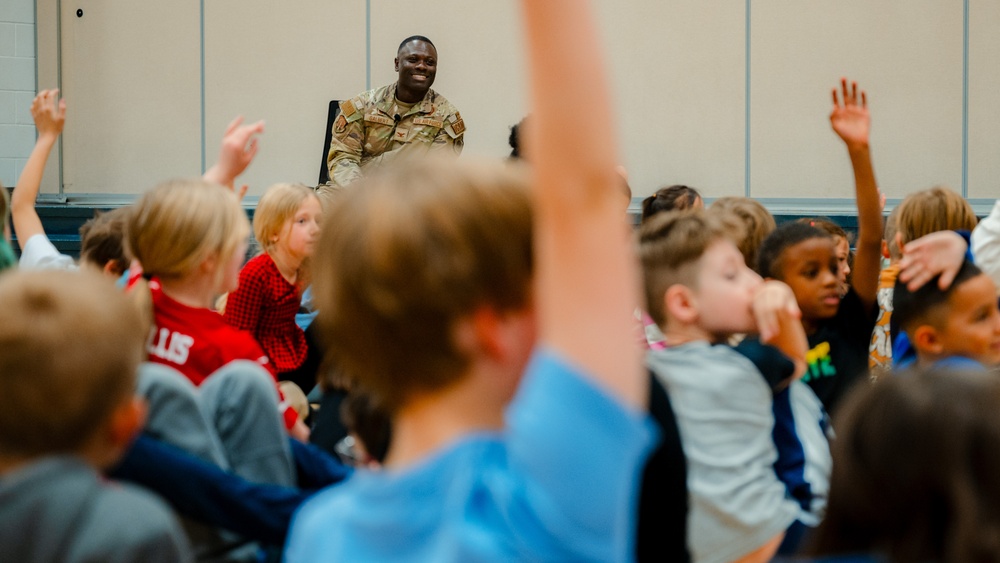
(770, 362)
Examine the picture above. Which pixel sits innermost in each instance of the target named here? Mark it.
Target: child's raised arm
(851, 121)
(587, 279)
(49, 113)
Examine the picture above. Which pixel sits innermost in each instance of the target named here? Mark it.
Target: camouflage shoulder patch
(349, 110)
(340, 124)
(458, 125)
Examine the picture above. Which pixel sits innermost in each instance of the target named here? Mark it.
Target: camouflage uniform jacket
(366, 133)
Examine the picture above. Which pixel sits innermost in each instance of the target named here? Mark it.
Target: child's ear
(111, 268)
(926, 339)
(209, 264)
(679, 302)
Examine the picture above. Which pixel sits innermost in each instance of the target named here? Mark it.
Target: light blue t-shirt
(560, 483)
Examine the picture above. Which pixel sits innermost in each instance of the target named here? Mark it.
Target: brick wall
(17, 86)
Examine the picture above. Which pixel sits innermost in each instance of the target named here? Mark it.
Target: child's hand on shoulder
(779, 322)
(941, 253)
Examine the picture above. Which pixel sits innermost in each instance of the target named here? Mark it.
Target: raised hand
(850, 119)
(49, 113)
(239, 147)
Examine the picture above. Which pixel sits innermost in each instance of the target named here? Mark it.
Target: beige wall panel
(281, 62)
(480, 60)
(984, 111)
(130, 75)
(678, 71)
(47, 60)
(906, 53)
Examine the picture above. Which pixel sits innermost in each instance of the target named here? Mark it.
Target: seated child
(494, 456)
(700, 291)
(954, 327)
(286, 226)
(839, 325)
(70, 344)
(101, 237)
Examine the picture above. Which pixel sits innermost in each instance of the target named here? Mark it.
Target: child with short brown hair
(479, 461)
(70, 344)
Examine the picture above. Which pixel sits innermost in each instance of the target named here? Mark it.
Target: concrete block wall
(17, 86)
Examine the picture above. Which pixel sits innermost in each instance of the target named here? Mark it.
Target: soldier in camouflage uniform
(381, 124)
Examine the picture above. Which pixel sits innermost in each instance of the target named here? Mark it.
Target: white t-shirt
(38, 253)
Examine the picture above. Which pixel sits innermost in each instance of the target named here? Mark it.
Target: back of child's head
(670, 198)
(916, 470)
(670, 248)
(928, 304)
(70, 345)
(102, 240)
(753, 220)
(785, 236)
(278, 204)
(179, 224)
(411, 251)
(364, 418)
(933, 210)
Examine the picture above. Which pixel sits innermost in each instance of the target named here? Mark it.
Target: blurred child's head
(916, 469)
(410, 258)
(102, 242)
(962, 320)
(70, 345)
(750, 224)
(890, 247)
(186, 227)
(841, 249)
(671, 198)
(288, 217)
(933, 210)
(695, 276)
(804, 257)
(369, 425)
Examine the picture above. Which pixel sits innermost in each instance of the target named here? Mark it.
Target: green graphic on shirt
(818, 360)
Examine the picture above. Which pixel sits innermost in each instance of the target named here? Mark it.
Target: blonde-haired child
(286, 225)
(190, 237)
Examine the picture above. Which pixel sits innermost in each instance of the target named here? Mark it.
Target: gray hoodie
(60, 509)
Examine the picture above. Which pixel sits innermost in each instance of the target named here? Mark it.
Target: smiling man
(380, 124)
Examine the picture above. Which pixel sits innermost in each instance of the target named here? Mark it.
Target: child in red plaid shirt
(286, 225)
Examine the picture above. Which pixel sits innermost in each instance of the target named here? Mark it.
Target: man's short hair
(913, 308)
(414, 38)
(102, 239)
(411, 251)
(670, 243)
(70, 345)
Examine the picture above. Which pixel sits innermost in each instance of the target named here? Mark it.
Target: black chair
(331, 116)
